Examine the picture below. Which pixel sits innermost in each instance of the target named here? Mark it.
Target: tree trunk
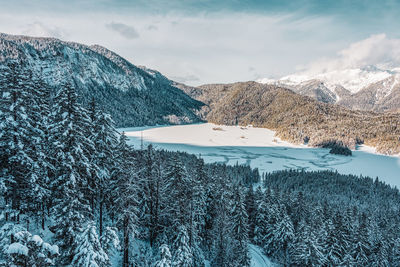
(101, 218)
(125, 262)
(43, 215)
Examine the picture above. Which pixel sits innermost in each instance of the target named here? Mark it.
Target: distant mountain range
(368, 88)
(134, 96)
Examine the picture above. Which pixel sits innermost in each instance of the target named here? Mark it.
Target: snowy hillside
(131, 95)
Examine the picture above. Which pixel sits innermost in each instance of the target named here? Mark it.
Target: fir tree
(182, 256)
(240, 230)
(165, 257)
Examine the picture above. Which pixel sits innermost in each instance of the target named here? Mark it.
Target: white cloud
(190, 78)
(378, 50)
(215, 48)
(38, 29)
(124, 30)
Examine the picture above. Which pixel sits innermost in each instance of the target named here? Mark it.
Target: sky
(204, 41)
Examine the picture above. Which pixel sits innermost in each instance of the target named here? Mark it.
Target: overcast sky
(204, 41)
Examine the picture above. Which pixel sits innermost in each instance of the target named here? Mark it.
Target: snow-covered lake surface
(260, 149)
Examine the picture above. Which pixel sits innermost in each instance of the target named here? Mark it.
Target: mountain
(369, 88)
(297, 118)
(134, 96)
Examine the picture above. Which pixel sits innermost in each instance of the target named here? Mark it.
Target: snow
(209, 134)
(351, 79)
(17, 248)
(259, 148)
(258, 259)
(37, 239)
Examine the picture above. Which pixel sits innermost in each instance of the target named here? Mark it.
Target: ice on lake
(259, 148)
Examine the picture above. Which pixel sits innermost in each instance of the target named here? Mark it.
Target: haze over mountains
(133, 96)
(367, 88)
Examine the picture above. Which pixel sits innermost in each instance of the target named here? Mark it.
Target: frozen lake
(259, 148)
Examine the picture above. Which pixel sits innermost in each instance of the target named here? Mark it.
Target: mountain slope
(368, 88)
(300, 119)
(133, 96)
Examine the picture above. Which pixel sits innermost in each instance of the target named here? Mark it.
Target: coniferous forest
(75, 193)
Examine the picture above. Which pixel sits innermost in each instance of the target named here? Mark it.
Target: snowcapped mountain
(368, 88)
(133, 96)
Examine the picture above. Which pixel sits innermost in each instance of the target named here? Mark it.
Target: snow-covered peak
(351, 79)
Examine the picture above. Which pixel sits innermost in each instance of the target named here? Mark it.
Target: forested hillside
(298, 119)
(131, 95)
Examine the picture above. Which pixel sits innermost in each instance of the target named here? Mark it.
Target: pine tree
(240, 230)
(361, 248)
(30, 250)
(88, 250)
(179, 192)
(261, 220)
(104, 138)
(251, 210)
(110, 241)
(16, 128)
(124, 194)
(70, 147)
(165, 257)
(306, 249)
(182, 256)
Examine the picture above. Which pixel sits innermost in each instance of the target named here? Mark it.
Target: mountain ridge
(369, 88)
(130, 94)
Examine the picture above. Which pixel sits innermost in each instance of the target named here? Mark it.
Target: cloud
(124, 30)
(152, 27)
(377, 50)
(39, 29)
(185, 79)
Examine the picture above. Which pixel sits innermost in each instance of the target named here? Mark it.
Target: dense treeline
(73, 192)
(327, 219)
(296, 118)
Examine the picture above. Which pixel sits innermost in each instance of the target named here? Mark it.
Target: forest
(75, 193)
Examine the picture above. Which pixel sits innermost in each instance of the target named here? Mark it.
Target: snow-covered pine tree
(104, 138)
(179, 192)
(70, 148)
(197, 206)
(261, 219)
(221, 224)
(148, 195)
(182, 256)
(361, 245)
(165, 257)
(30, 250)
(110, 241)
(16, 128)
(283, 235)
(251, 209)
(88, 250)
(123, 193)
(39, 111)
(306, 249)
(240, 229)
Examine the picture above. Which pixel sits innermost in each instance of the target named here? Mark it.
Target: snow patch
(17, 248)
(258, 259)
